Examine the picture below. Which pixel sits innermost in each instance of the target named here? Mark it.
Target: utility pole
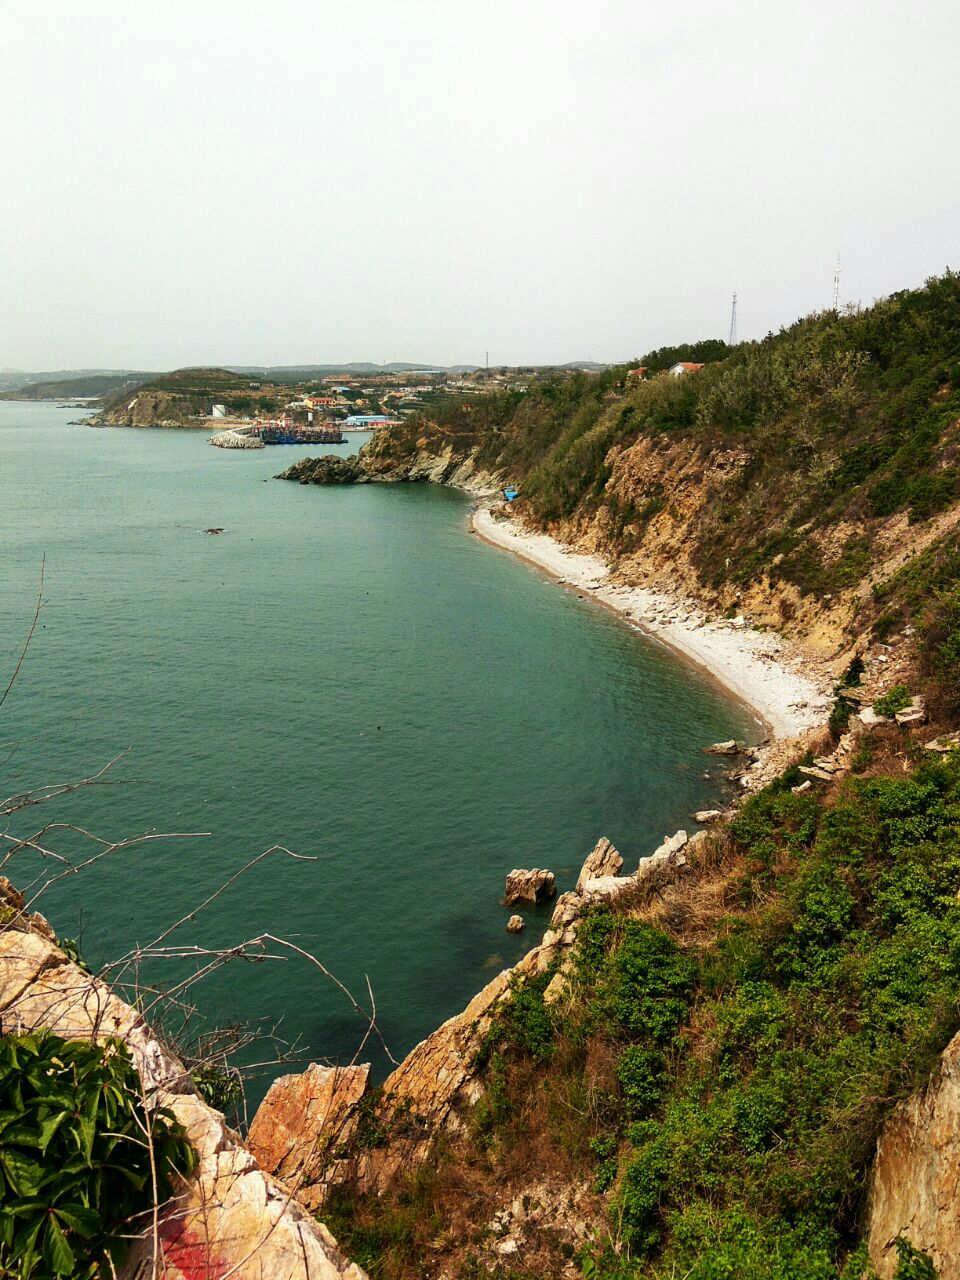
(733, 320)
(836, 285)
(487, 365)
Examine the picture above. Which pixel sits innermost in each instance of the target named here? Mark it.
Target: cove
(343, 672)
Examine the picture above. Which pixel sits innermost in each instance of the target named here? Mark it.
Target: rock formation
(515, 924)
(304, 1126)
(440, 1079)
(230, 1218)
(537, 885)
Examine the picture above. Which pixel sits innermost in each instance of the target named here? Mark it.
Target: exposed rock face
(537, 885)
(915, 1188)
(305, 1124)
(230, 1218)
(603, 861)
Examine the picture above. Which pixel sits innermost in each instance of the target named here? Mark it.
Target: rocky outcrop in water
(231, 1218)
(537, 885)
(329, 469)
(432, 1090)
(381, 467)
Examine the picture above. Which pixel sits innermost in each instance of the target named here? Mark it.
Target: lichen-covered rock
(915, 1186)
(536, 885)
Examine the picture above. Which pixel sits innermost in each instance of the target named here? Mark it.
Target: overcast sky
(197, 181)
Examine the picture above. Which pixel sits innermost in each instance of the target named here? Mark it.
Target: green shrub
(892, 701)
(75, 1165)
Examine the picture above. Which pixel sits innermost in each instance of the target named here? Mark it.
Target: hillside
(186, 397)
(793, 480)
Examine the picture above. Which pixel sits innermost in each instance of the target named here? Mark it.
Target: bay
(343, 672)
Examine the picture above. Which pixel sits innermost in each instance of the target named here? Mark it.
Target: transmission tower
(836, 285)
(733, 320)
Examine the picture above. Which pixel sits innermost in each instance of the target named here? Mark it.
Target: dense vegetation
(82, 1162)
(724, 1061)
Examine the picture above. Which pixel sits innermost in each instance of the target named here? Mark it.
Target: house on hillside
(683, 366)
(639, 373)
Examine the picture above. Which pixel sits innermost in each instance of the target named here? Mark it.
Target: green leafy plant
(892, 701)
(78, 1156)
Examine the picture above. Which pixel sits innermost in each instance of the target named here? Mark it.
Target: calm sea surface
(344, 672)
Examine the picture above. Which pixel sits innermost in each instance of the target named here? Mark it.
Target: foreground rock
(538, 885)
(915, 1188)
(230, 1218)
(305, 1123)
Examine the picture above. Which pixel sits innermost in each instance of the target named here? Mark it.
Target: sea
(345, 677)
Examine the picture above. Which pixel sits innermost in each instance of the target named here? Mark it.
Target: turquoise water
(344, 672)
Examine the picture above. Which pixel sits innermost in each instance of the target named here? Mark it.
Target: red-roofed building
(638, 373)
(684, 366)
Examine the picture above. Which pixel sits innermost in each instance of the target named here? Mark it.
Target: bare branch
(33, 627)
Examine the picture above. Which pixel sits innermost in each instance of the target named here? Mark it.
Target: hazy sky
(308, 181)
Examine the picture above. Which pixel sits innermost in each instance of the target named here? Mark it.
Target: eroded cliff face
(915, 1188)
(230, 1218)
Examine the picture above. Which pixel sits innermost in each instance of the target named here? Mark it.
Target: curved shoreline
(785, 693)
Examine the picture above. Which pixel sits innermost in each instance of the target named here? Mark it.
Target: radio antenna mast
(836, 285)
(733, 320)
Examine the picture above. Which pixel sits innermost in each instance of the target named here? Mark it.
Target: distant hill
(91, 384)
(310, 372)
(21, 379)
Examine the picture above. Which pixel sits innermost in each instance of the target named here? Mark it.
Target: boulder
(604, 860)
(916, 713)
(728, 748)
(304, 1125)
(515, 924)
(943, 743)
(705, 816)
(536, 885)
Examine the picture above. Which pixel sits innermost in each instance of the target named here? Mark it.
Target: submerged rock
(537, 885)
